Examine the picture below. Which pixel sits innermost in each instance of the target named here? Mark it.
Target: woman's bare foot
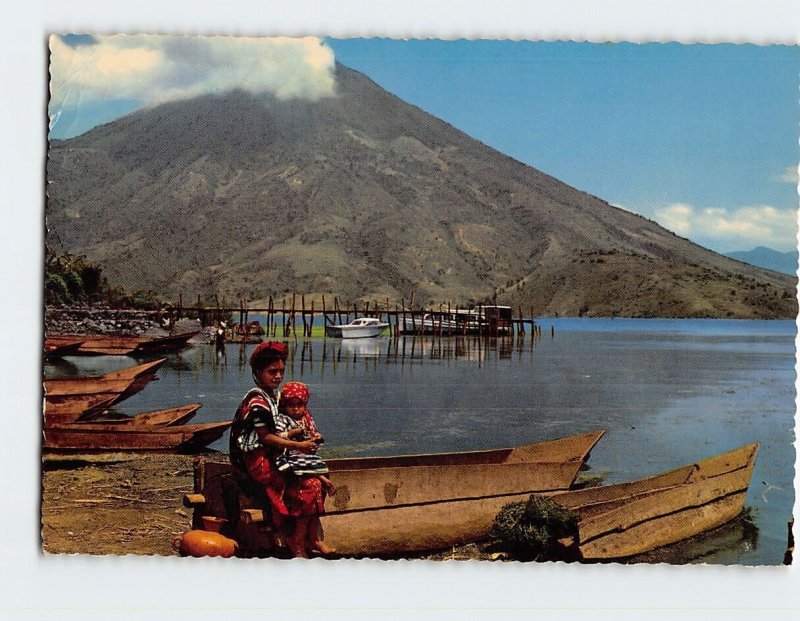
(323, 548)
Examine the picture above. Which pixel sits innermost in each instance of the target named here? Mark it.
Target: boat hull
(115, 345)
(389, 505)
(369, 332)
(114, 437)
(619, 521)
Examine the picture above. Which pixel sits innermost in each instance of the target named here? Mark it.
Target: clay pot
(213, 524)
(199, 543)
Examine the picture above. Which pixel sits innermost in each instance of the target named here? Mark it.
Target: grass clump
(531, 529)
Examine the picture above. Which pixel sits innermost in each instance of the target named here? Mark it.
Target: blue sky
(701, 138)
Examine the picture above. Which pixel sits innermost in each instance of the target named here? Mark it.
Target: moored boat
(388, 505)
(482, 320)
(621, 520)
(166, 417)
(122, 381)
(68, 408)
(363, 327)
(93, 437)
(62, 347)
(118, 345)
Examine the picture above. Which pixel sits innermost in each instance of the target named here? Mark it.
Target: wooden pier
(291, 315)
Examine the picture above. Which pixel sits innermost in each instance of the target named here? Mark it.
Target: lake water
(667, 392)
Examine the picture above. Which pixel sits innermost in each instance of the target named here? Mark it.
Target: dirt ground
(114, 503)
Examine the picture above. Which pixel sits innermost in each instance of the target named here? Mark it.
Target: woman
(255, 444)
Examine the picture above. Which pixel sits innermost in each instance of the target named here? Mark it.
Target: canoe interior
(618, 521)
(166, 417)
(67, 409)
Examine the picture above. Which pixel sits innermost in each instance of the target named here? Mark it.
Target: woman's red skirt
(287, 495)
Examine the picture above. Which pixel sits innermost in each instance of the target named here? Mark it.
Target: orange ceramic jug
(199, 543)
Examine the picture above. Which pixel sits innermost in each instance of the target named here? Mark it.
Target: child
(294, 422)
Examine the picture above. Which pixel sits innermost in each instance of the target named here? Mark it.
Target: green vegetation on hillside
(70, 278)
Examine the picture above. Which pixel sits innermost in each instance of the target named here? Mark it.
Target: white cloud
(156, 68)
(790, 175)
(725, 230)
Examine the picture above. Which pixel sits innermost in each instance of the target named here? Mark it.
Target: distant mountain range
(784, 262)
(366, 197)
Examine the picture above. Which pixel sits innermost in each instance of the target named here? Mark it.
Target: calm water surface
(667, 392)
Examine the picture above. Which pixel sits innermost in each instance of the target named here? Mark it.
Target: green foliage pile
(69, 279)
(530, 530)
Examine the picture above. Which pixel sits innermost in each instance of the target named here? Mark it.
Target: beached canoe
(79, 390)
(69, 408)
(157, 418)
(389, 505)
(89, 437)
(116, 345)
(86, 384)
(619, 521)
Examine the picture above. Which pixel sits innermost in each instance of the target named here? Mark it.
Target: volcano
(364, 196)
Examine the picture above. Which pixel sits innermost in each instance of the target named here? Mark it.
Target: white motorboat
(362, 328)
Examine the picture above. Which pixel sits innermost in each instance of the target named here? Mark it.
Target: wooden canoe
(619, 521)
(62, 347)
(157, 418)
(87, 437)
(128, 381)
(116, 345)
(390, 505)
(67, 409)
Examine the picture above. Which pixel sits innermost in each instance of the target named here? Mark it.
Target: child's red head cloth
(296, 390)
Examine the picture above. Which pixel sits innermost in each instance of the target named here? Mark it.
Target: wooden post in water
(411, 307)
(292, 315)
(180, 305)
(521, 321)
(449, 320)
(303, 315)
(311, 321)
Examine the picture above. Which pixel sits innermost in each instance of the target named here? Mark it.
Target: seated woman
(254, 445)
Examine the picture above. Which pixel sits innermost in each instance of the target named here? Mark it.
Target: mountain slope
(364, 196)
(784, 262)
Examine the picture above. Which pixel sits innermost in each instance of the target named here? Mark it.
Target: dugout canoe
(62, 347)
(67, 409)
(125, 381)
(88, 437)
(622, 520)
(390, 505)
(116, 345)
(157, 418)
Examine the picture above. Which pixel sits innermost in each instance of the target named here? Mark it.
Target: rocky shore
(124, 322)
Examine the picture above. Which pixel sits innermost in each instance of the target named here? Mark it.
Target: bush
(74, 284)
(56, 289)
(531, 530)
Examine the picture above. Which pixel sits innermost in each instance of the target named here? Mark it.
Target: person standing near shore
(254, 445)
